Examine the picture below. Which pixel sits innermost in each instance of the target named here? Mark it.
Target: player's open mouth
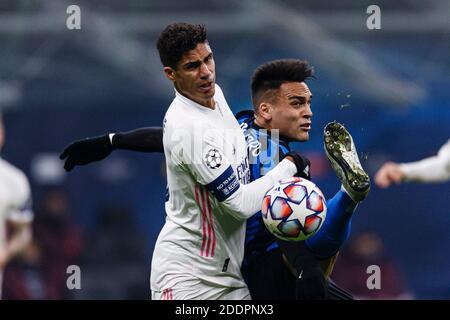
(206, 87)
(306, 126)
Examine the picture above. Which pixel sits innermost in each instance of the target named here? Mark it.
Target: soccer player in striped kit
(199, 251)
(290, 75)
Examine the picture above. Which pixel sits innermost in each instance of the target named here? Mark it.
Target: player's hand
(85, 151)
(389, 173)
(303, 164)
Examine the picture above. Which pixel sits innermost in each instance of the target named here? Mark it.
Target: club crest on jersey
(213, 158)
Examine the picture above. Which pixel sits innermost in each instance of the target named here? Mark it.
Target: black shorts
(268, 278)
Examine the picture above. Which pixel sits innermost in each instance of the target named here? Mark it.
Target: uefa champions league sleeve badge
(213, 159)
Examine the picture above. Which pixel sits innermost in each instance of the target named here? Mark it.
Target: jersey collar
(190, 102)
(282, 140)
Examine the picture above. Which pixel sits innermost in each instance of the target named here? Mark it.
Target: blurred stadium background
(390, 87)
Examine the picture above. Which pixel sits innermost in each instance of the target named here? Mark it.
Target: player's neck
(210, 103)
(259, 121)
(207, 103)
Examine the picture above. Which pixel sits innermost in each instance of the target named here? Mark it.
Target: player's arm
(21, 234)
(433, 169)
(85, 151)
(218, 176)
(247, 199)
(19, 218)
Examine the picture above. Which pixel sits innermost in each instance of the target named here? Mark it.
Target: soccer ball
(294, 209)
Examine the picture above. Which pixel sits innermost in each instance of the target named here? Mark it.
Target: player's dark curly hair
(177, 39)
(273, 74)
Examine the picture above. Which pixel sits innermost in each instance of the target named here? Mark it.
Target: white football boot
(341, 152)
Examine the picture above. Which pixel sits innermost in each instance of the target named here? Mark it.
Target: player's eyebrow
(302, 98)
(192, 64)
(208, 56)
(196, 63)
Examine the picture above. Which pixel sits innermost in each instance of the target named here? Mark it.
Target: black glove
(85, 151)
(81, 152)
(303, 165)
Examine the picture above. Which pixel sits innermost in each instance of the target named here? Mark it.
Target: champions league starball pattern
(213, 159)
(294, 209)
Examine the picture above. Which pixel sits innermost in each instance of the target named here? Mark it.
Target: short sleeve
(22, 213)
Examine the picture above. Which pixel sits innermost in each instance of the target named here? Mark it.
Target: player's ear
(264, 111)
(170, 73)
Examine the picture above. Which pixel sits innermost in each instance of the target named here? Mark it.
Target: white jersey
(207, 165)
(15, 200)
(433, 169)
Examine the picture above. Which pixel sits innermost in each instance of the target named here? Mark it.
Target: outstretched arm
(19, 217)
(20, 238)
(88, 150)
(147, 139)
(433, 169)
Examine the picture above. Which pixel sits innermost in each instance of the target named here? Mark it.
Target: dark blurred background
(389, 87)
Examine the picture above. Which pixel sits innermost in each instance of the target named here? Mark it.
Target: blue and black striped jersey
(265, 152)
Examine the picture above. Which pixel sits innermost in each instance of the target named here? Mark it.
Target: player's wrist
(403, 171)
(111, 140)
(288, 165)
(106, 141)
(290, 159)
(301, 164)
(110, 136)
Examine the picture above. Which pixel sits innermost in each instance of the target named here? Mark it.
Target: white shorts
(195, 289)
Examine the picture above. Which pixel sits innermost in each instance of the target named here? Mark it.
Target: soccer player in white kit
(15, 209)
(199, 251)
(429, 170)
